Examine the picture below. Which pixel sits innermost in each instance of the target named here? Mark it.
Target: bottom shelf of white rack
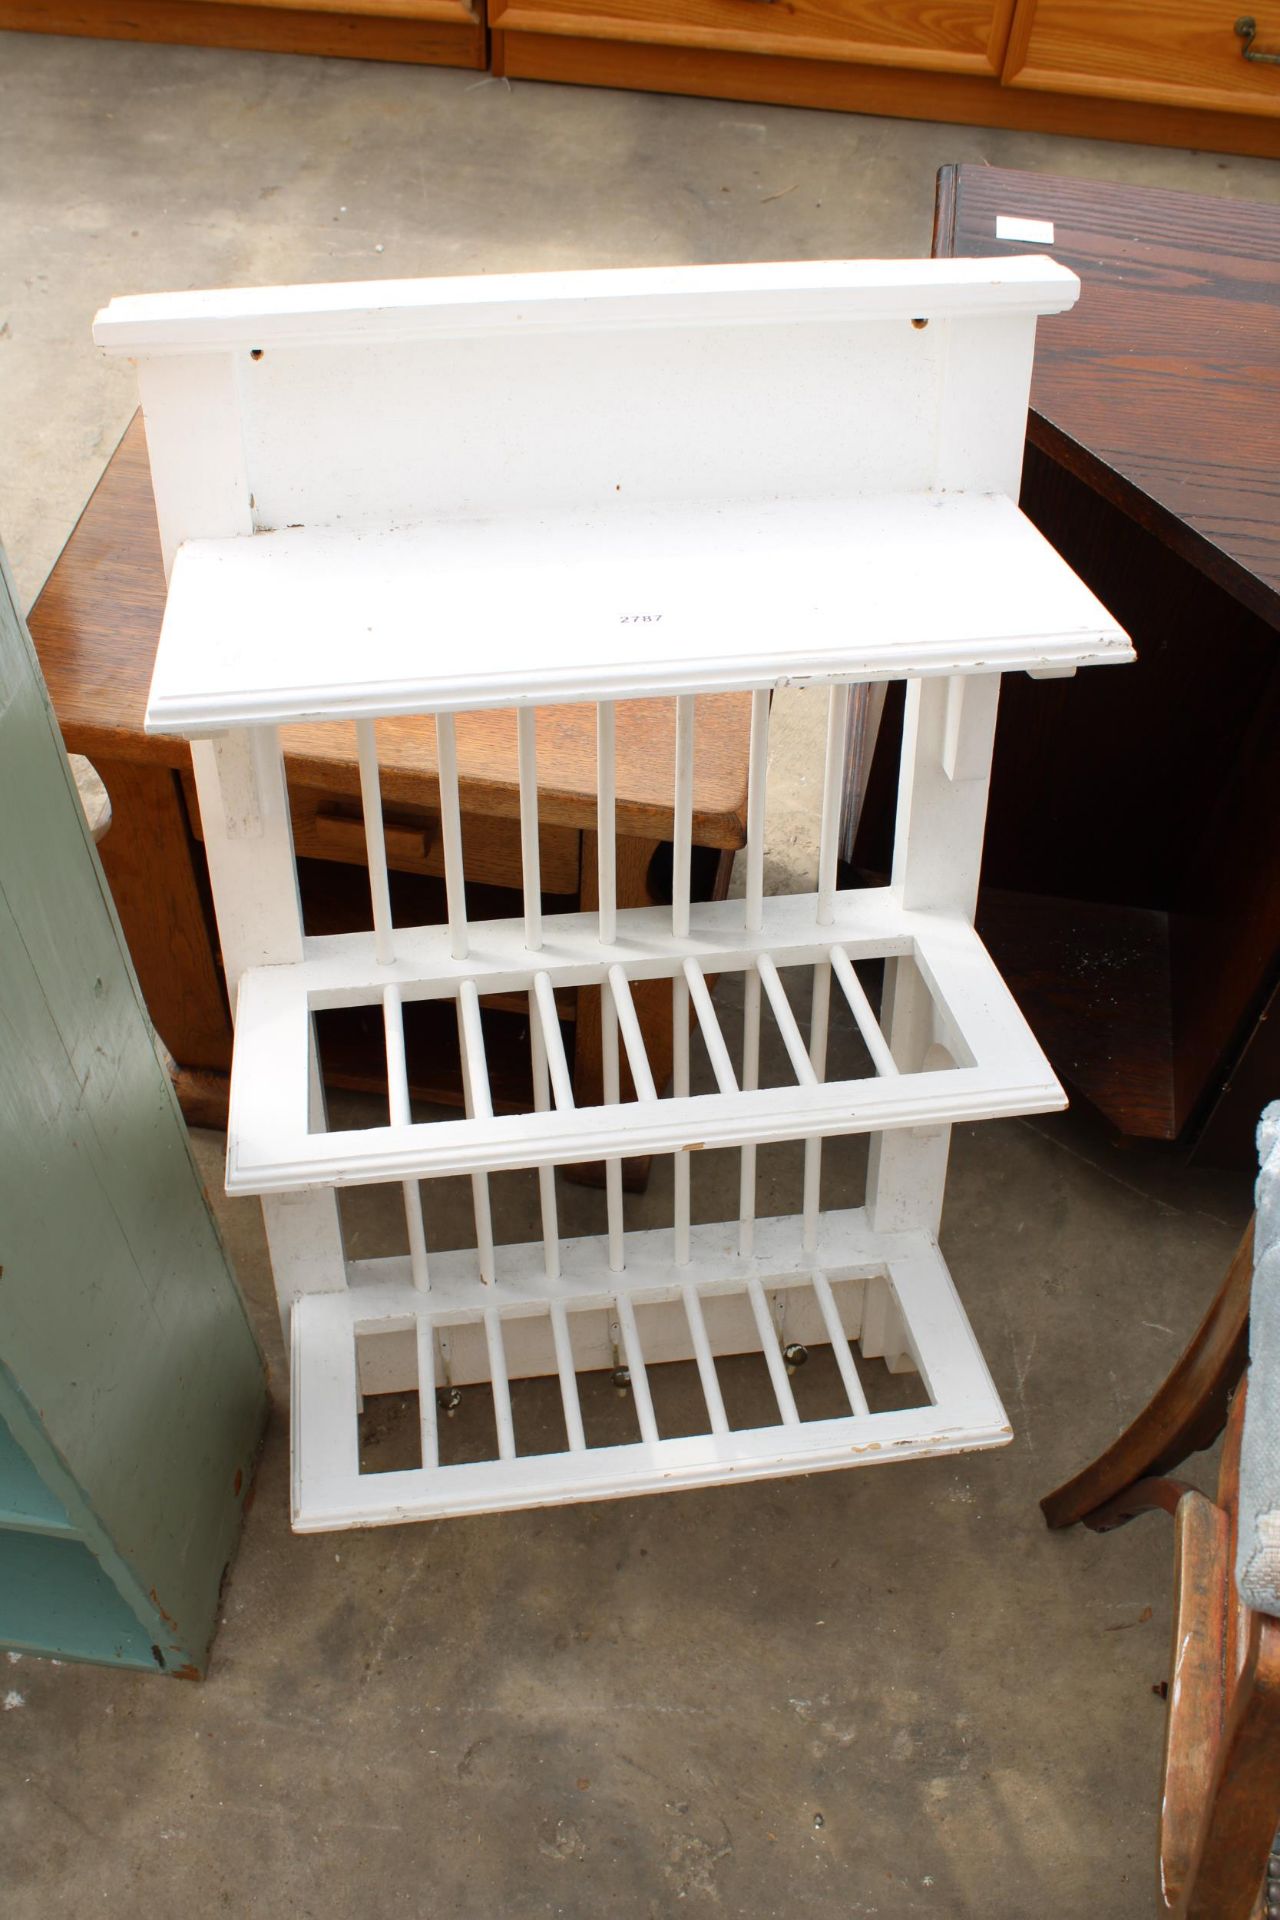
(857, 1301)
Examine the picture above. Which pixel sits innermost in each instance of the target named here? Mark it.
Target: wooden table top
(1161, 388)
(97, 621)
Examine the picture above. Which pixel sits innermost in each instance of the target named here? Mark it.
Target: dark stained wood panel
(1162, 387)
(1130, 886)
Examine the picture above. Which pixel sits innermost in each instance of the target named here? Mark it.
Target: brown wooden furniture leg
(204, 1097)
(150, 861)
(1160, 1495)
(1197, 1665)
(1238, 1825)
(1187, 1414)
(1220, 1794)
(1221, 1799)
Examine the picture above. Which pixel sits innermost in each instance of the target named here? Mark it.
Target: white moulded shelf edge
(373, 311)
(615, 602)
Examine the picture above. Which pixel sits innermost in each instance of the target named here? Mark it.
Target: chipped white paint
(768, 476)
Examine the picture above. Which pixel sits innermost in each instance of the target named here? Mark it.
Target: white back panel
(557, 420)
(386, 406)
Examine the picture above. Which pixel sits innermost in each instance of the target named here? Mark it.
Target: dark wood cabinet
(1132, 870)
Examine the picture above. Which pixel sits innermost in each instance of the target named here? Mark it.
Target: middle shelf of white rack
(980, 1061)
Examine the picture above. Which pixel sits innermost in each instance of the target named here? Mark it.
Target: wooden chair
(1220, 1802)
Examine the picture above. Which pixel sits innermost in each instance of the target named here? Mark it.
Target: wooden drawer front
(328, 826)
(1183, 53)
(955, 36)
(407, 10)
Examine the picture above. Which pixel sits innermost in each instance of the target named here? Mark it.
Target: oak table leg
(150, 861)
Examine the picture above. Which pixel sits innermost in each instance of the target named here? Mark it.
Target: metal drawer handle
(1246, 30)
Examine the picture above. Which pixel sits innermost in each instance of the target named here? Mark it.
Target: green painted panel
(25, 1501)
(130, 1376)
(55, 1599)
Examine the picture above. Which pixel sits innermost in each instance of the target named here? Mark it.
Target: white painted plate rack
(434, 497)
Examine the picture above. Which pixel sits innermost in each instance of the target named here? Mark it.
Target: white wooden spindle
(527, 755)
(484, 1227)
(568, 1378)
(400, 1114)
(455, 885)
(757, 789)
(818, 1021)
(750, 1081)
(682, 825)
(828, 855)
(706, 1361)
(606, 828)
(788, 1027)
(832, 793)
(500, 1384)
(468, 1020)
(475, 1064)
(546, 1175)
(753, 914)
(374, 839)
(721, 1064)
(611, 1079)
(839, 1343)
(553, 1040)
(428, 1413)
(632, 1037)
(860, 1007)
(679, 1089)
(768, 1337)
(635, 1366)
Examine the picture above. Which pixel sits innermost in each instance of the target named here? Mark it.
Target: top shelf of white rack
(627, 297)
(504, 399)
(328, 624)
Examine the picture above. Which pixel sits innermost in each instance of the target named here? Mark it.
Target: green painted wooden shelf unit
(54, 1595)
(132, 1389)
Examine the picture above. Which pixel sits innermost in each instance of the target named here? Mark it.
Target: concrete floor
(882, 1692)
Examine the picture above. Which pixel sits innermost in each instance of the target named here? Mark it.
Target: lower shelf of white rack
(866, 1297)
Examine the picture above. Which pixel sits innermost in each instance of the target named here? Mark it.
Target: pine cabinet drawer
(1183, 53)
(407, 10)
(954, 36)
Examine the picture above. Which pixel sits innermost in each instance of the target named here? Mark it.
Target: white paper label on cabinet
(1012, 226)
